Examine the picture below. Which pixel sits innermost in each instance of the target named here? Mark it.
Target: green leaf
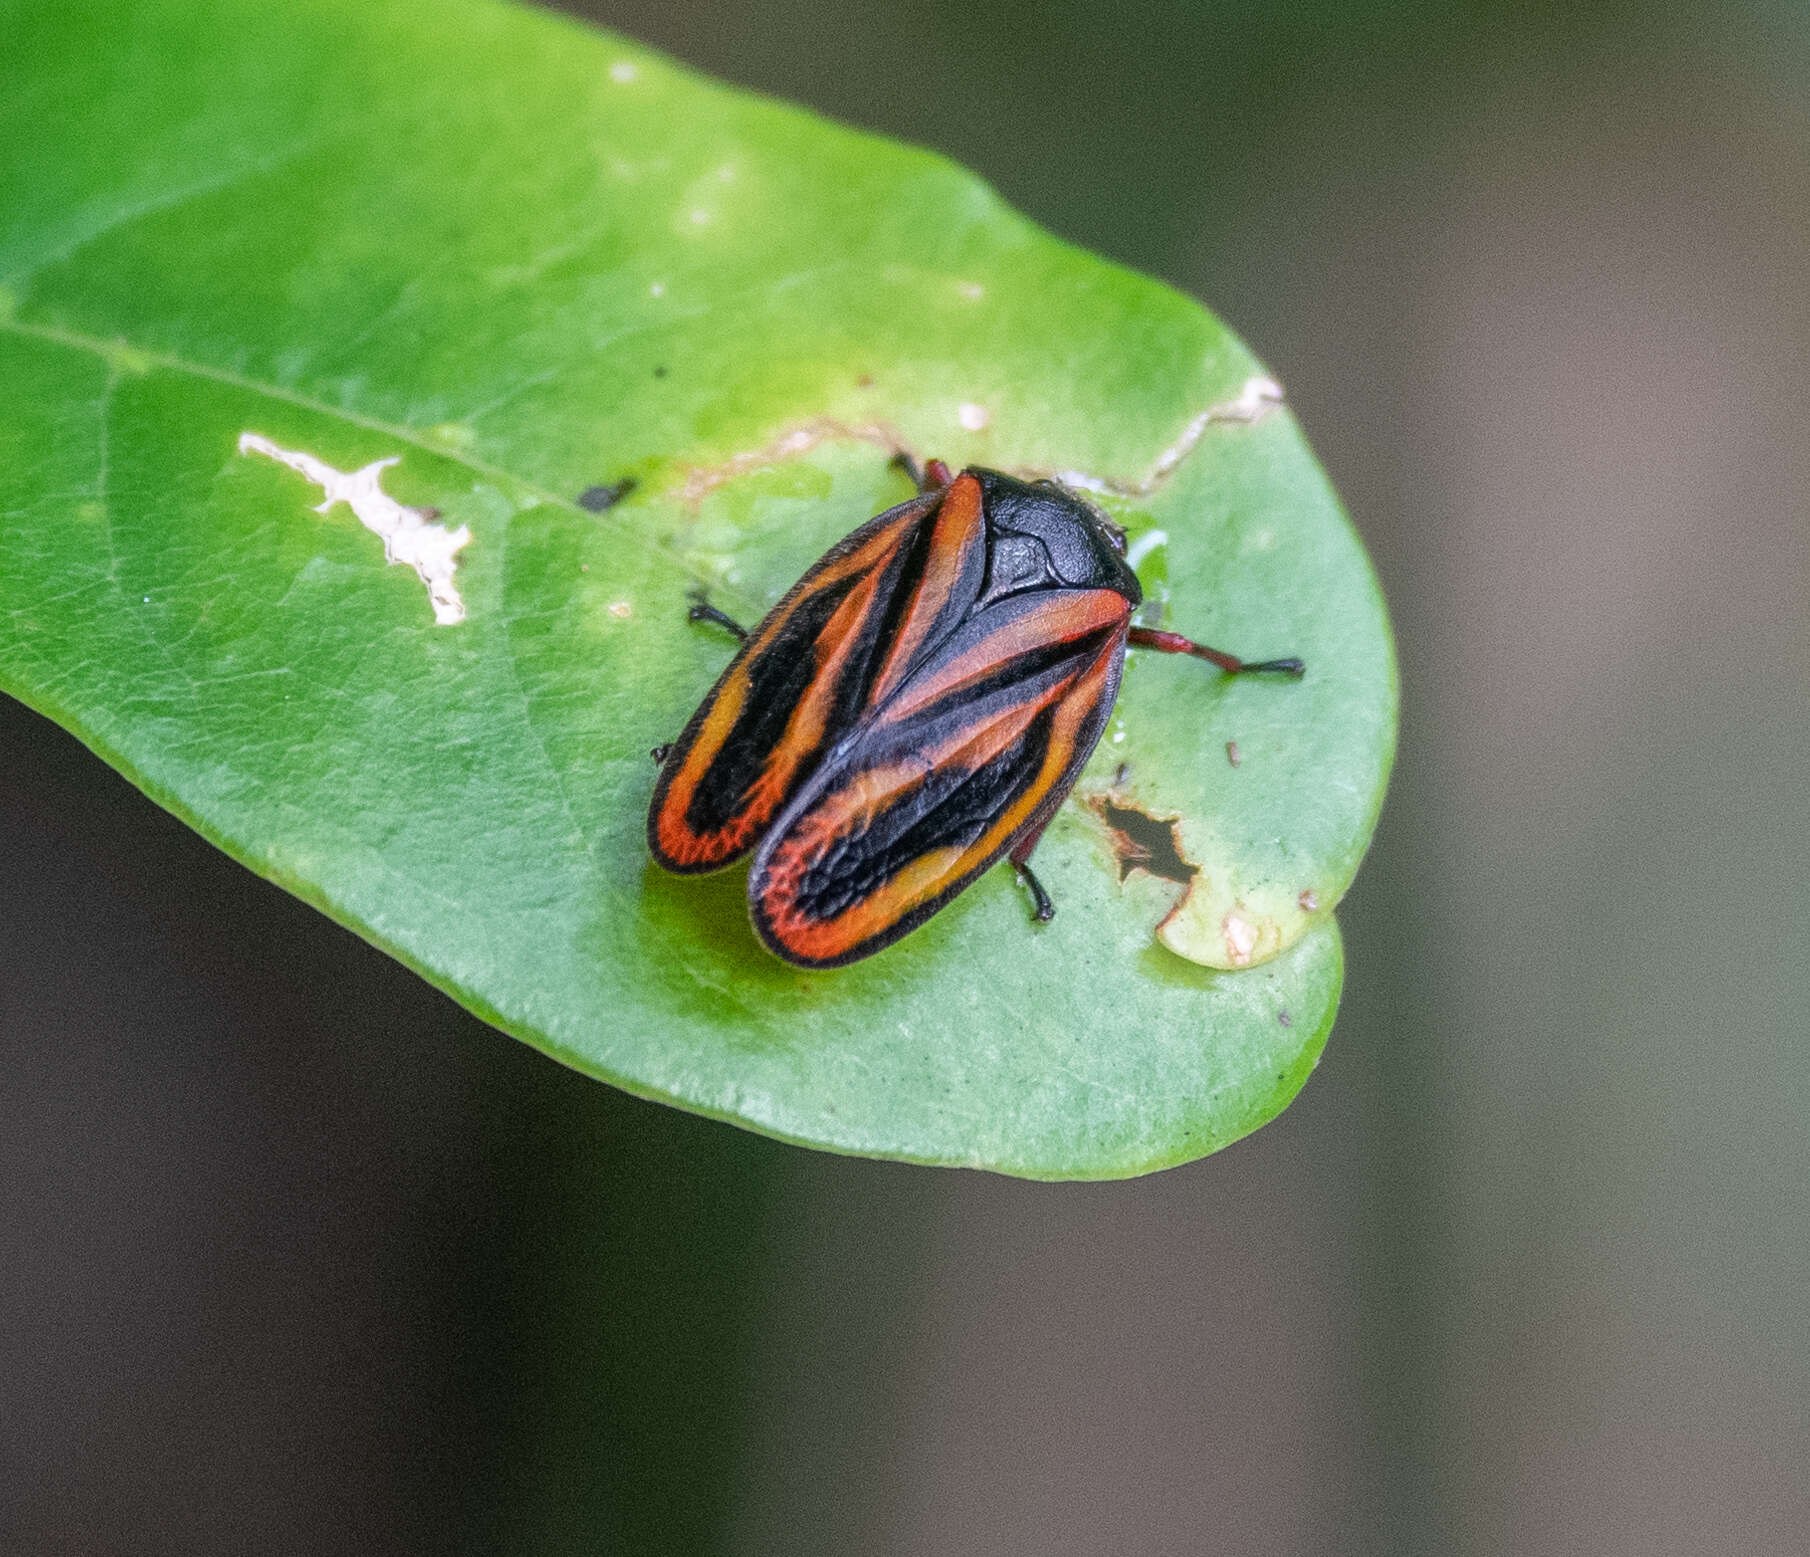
(250, 250)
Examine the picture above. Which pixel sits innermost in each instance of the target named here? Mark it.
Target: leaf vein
(77, 340)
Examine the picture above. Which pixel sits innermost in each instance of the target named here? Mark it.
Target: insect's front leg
(1021, 863)
(1174, 643)
(932, 476)
(703, 611)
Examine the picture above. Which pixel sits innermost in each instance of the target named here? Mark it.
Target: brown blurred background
(297, 1257)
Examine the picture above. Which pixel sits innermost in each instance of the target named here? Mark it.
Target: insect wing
(841, 641)
(971, 752)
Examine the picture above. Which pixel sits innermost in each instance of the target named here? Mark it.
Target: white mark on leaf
(623, 71)
(1143, 546)
(973, 417)
(409, 536)
(700, 480)
(1241, 940)
(1259, 396)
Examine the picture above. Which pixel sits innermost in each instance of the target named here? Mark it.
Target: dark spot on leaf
(1144, 842)
(1232, 753)
(660, 372)
(865, 381)
(1121, 775)
(1287, 1021)
(596, 500)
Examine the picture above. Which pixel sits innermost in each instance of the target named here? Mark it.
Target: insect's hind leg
(1020, 857)
(931, 476)
(1174, 643)
(703, 611)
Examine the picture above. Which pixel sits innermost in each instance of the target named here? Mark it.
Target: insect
(914, 710)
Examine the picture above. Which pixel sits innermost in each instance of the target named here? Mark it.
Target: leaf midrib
(117, 350)
(111, 352)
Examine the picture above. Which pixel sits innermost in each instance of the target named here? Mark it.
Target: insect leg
(1174, 643)
(1021, 863)
(932, 476)
(703, 611)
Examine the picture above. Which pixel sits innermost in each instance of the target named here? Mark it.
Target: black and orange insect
(914, 710)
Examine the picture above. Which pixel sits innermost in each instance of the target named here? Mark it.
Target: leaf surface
(247, 253)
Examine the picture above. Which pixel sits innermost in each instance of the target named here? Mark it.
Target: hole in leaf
(1144, 842)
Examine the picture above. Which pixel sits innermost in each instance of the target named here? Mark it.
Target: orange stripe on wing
(958, 538)
(810, 719)
(677, 843)
(1053, 619)
(852, 808)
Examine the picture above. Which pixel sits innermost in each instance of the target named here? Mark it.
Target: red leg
(1174, 643)
(931, 476)
(1021, 863)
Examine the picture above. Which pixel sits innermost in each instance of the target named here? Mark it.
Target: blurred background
(296, 1256)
